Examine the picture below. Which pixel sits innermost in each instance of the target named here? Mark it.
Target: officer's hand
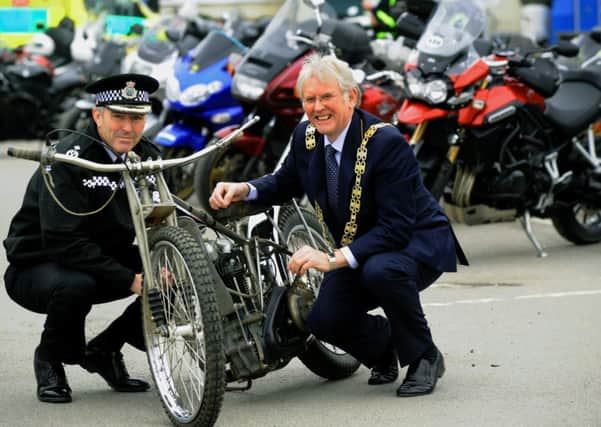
(225, 193)
(306, 258)
(136, 286)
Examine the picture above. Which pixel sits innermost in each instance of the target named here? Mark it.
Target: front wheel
(182, 330)
(321, 358)
(580, 224)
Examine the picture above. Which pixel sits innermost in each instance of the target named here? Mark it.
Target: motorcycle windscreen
(275, 49)
(455, 26)
(216, 46)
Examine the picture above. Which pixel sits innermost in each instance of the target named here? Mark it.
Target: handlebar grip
(34, 154)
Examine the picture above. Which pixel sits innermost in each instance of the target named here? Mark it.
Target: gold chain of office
(350, 228)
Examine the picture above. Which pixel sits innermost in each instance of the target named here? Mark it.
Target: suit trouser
(66, 297)
(390, 280)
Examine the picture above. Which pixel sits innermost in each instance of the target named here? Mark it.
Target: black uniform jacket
(397, 212)
(42, 231)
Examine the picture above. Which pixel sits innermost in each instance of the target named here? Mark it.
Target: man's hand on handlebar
(225, 193)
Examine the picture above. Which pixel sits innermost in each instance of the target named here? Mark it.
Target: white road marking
(519, 297)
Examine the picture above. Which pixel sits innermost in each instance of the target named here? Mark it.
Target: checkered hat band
(114, 96)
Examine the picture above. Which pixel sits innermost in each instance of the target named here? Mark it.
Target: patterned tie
(332, 177)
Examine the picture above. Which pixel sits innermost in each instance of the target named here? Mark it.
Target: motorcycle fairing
(178, 134)
(494, 101)
(413, 112)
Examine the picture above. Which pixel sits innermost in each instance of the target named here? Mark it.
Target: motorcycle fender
(412, 112)
(179, 135)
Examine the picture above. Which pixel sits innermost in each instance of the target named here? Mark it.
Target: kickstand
(248, 385)
(527, 226)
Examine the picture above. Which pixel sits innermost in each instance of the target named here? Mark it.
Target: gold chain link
(310, 137)
(350, 229)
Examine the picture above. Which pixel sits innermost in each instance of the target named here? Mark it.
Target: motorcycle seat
(582, 75)
(575, 104)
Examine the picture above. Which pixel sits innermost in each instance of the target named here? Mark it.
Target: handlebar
(133, 162)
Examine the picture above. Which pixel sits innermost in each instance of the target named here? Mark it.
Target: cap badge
(129, 92)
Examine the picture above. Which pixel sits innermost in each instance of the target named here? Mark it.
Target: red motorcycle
(264, 81)
(502, 137)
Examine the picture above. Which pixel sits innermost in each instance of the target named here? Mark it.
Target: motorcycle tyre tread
(215, 378)
(317, 358)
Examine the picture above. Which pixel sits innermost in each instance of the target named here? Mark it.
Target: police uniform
(60, 263)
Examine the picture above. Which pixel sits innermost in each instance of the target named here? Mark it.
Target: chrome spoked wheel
(182, 331)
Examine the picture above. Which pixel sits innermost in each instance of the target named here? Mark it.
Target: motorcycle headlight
(172, 89)
(197, 94)
(247, 87)
(436, 91)
(414, 86)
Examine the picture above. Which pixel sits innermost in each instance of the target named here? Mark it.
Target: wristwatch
(332, 260)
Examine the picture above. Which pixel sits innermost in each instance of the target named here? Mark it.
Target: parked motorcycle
(503, 137)
(265, 80)
(199, 98)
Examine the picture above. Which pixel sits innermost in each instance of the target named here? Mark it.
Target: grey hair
(328, 67)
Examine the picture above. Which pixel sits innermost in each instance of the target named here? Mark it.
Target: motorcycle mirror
(565, 48)
(410, 26)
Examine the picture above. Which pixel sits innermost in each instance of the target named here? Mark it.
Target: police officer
(64, 259)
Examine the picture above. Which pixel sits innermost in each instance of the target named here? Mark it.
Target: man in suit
(66, 258)
(392, 238)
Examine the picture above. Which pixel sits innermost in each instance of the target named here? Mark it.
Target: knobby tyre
(182, 329)
(321, 358)
(227, 164)
(180, 179)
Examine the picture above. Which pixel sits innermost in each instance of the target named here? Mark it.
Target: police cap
(124, 93)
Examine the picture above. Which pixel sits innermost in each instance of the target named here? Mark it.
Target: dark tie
(332, 177)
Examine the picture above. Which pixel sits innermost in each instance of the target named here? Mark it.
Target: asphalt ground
(520, 336)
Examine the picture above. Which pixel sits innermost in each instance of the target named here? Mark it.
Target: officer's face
(328, 109)
(121, 131)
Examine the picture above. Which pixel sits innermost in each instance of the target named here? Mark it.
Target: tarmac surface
(520, 336)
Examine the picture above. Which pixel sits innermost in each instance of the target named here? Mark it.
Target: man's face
(121, 131)
(327, 107)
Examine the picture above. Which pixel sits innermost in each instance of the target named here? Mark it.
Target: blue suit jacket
(398, 214)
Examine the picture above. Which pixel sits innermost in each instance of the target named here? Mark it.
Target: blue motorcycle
(200, 103)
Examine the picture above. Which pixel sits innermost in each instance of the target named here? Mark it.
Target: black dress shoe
(51, 379)
(385, 372)
(422, 376)
(110, 366)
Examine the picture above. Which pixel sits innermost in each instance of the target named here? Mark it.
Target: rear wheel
(182, 329)
(580, 224)
(321, 358)
(227, 164)
(180, 179)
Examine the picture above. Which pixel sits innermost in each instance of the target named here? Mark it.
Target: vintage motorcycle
(503, 137)
(219, 305)
(264, 82)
